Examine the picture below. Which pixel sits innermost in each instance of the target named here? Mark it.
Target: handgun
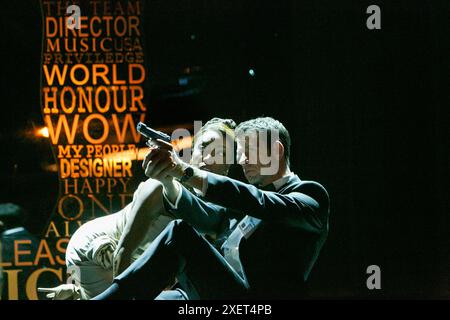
(150, 133)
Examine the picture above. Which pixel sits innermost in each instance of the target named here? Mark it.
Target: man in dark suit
(269, 254)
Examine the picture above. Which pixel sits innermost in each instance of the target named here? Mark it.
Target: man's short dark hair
(267, 124)
(11, 215)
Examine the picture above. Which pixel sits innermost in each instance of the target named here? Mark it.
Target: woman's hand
(62, 292)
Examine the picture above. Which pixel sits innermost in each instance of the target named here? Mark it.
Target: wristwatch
(187, 174)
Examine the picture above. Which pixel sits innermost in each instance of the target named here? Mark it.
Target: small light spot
(251, 72)
(43, 132)
(183, 81)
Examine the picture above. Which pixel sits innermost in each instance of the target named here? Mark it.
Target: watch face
(189, 172)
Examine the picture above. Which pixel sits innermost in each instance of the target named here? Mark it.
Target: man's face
(257, 159)
(210, 152)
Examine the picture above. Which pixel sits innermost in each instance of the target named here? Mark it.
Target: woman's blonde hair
(224, 126)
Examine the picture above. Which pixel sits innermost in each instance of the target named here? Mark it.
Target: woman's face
(210, 152)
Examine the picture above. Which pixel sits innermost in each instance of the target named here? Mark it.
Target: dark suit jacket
(279, 255)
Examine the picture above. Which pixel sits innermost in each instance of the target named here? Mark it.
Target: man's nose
(243, 159)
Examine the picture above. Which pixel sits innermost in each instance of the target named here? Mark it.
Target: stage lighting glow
(43, 132)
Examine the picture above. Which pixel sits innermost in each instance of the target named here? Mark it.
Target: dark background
(365, 109)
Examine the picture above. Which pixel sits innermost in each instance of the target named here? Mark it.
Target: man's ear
(280, 149)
